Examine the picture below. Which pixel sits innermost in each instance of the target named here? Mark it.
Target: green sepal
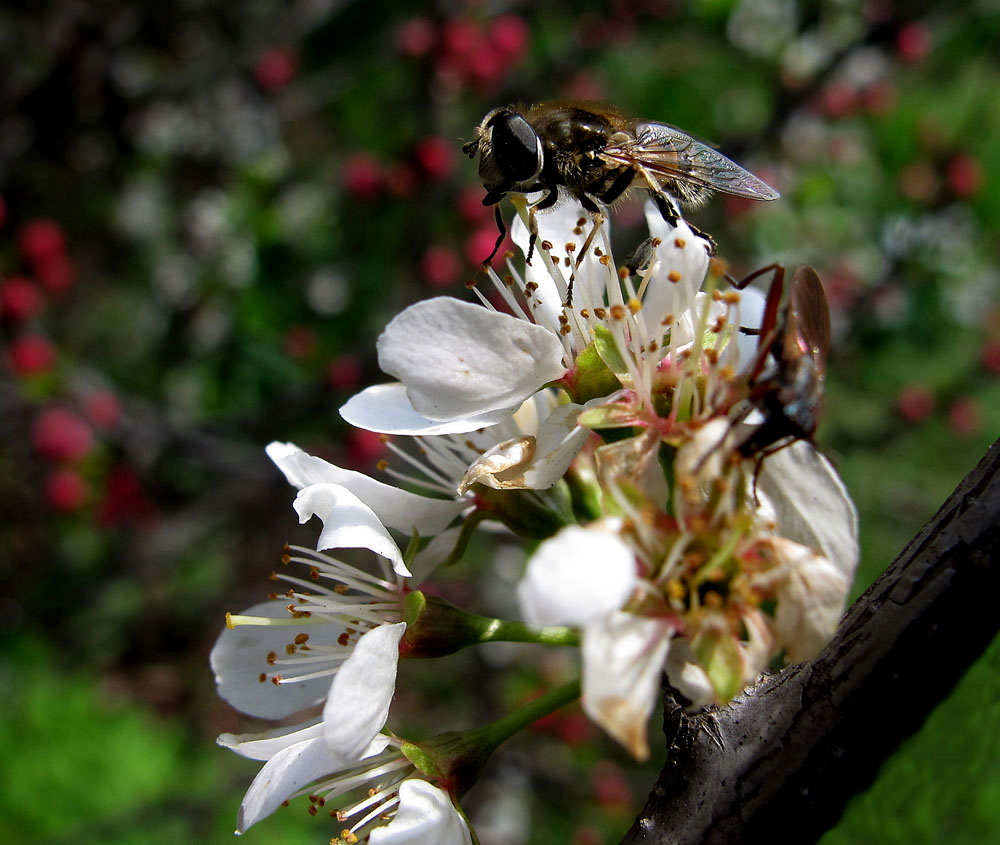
(719, 655)
(535, 514)
(591, 376)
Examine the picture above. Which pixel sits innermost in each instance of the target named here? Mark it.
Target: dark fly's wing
(807, 331)
(669, 154)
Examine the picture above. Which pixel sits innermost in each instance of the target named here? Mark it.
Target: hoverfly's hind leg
(503, 234)
(547, 201)
(669, 212)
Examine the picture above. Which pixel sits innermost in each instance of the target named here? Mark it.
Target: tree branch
(798, 744)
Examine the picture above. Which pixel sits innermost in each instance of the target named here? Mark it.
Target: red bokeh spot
(436, 157)
(103, 409)
(440, 266)
(964, 175)
(913, 42)
(915, 403)
(611, 789)
(416, 37)
(55, 272)
(470, 205)
(66, 490)
(508, 35)
(40, 239)
(991, 356)
(31, 354)
(125, 499)
(62, 435)
(364, 447)
(839, 99)
(344, 372)
(362, 175)
(276, 68)
(480, 243)
(20, 299)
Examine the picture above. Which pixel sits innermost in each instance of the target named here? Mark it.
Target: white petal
(386, 408)
(751, 315)
(561, 226)
(425, 815)
(558, 442)
(493, 466)
(685, 328)
(689, 262)
(623, 656)
(526, 463)
(458, 359)
(759, 647)
(810, 600)
(700, 459)
(395, 508)
(284, 774)
(347, 523)
(811, 504)
(239, 660)
(264, 745)
(436, 552)
(362, 690)
(577, 576)
(687, 677)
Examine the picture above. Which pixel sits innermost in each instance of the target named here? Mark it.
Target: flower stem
(456, 759)
(435, 628)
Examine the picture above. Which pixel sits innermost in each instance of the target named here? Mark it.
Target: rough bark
(793, 748)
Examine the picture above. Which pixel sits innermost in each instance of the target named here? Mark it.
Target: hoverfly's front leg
(547, 201)
(503, 234)
(493, 198)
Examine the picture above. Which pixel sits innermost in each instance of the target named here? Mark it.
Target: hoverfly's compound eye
(516, 147)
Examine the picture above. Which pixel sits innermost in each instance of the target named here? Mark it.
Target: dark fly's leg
(769, 320)
(766, 332)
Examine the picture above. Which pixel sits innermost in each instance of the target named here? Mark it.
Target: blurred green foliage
(235, 198)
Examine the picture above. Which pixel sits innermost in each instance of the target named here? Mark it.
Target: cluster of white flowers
(608, 430)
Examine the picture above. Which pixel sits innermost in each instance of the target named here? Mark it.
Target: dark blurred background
(208, 210)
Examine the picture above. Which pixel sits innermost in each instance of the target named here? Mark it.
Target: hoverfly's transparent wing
(671, 156)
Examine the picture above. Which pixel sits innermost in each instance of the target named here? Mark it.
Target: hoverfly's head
(510, 151)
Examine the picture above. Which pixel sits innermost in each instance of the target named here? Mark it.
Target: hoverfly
(789, 391)
(595, 154)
